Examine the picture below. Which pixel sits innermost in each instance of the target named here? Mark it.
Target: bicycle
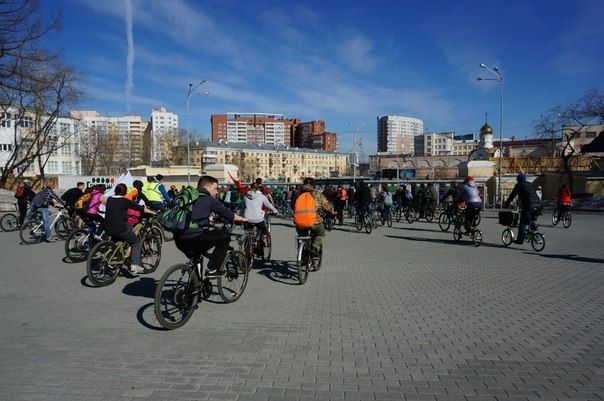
(364, 219)
(328, 220)
(410, 213)
(447, 217)
(562, 213)
(80, 242)
(387, 216)
(305, 259)
(106, 258)
(510, 219)
(183, 286)
(32, 229)
(10, 221)
(252, 244)
(474, 233)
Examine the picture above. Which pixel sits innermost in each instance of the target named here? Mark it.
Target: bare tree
(569, 120)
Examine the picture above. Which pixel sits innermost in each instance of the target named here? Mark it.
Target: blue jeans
(46, 219)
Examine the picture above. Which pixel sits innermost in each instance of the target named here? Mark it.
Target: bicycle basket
(506, 218)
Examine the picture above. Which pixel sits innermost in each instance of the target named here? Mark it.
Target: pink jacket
(95, 201)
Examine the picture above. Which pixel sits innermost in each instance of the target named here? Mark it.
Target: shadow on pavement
(143, 287)
(85, 283)
(281, 272)
(70, 261)
(574, 258)
(419, 229)
(464, 241)
(140, 316)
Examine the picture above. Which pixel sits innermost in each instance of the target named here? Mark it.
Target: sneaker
(97, 237)
(136, 269)
(213, 272)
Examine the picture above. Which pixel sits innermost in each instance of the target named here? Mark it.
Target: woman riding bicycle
(255, 201)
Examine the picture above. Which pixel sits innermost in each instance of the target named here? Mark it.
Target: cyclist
(255, 203)
(90, 215)
(203, 237)
(452, 194)
(387, 201)
(71, 196)
(340, 203)
(317, 230)
(363, 198)
(529, 202)
(470, 195)
(565, 200)
(155, 193)
(24, 195)
(41, 201)
(138, 184)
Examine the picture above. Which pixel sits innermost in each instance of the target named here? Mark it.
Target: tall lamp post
(192, 88)
(495, 72)
(354, 149)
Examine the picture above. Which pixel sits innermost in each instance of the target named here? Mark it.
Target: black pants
(128, 236)
(22, 205)
(472, 211)
(526, 215)
(217, 239)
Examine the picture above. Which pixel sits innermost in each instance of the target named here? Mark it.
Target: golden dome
(486, 130)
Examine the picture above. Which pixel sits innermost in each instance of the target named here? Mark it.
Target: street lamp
(495, 71)
(192, 88)
(354, 149)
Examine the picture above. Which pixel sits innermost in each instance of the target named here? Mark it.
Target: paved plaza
(402, 314)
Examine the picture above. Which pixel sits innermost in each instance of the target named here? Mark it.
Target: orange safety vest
(305, 211)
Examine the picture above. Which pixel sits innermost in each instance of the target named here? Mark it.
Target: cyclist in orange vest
(340, 204)
(306, 216)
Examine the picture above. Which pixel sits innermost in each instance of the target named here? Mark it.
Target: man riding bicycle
(362, 198)
(41, 202)
(156, 193)
(530, 202)
(307, 218)
(203, 237)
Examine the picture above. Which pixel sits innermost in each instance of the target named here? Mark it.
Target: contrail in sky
(130, 57)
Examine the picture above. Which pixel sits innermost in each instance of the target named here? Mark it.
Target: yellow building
(270, 162)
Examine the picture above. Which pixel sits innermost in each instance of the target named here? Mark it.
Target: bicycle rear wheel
(9, 222)
(409, 215)
(32, 231)
(368, 224)
(444, 221)
(175, 296)
(151, 250)
(64, 226)
(538, 241)
(358, 222)
(507, 237)
(555, 217)
(429, 214)
(567, 219)
(457, 233)
(389, 219)
(75, 245)
(232, 284)
(477, 238)
(267, 248)
(303, 261)
(103, 264)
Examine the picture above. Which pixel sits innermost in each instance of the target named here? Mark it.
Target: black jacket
(526, 192)
(204, 206)
(71, 196)
(362, 196)
(115, 214)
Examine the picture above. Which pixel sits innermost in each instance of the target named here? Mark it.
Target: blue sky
(340, 61)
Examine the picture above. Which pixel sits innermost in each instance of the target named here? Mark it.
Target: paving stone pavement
(402, 314)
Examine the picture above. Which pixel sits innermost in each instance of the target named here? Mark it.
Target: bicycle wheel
(538, 241)
(232, 284)
(9, 222)
(176, 296)
(64, 226)
(103, 264)
(437, 211)
(567, 219)
(267, 248)
(368, 224)
(429, 214)
(409, 215)
(303, 261)
(507, 237)
(398, 214)
(317, 260)
(555, 217)
(389, 219)
(75, 245)
(358, 222)
(477, 238)
(151, 250)
(457, 233)
(444, 221)
(32, 231)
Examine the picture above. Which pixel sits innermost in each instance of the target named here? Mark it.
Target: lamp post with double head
(499, 79)
(192, 88)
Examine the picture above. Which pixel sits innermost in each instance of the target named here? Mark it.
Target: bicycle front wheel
(32, 231)
(103, 264)
(358, 223)
(9, 222)
(555, 217)
(232, 284)
(477, 238)
(151, 250)
(507, 236)
(567, 219)
(75, 245)
(368, 224)
(303, 262)
(444, 221)
(457, 234)
(429, 215)
(267, 248)
(538, 242)
(64, 226)
(175, 296)
(409, 215)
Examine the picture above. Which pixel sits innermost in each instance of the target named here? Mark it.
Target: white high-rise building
(396, 133)
(164, 134)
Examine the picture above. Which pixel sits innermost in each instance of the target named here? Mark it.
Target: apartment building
(163, 134)
(253, 128)
(313, 135)
(271, 162)
(397, 133)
